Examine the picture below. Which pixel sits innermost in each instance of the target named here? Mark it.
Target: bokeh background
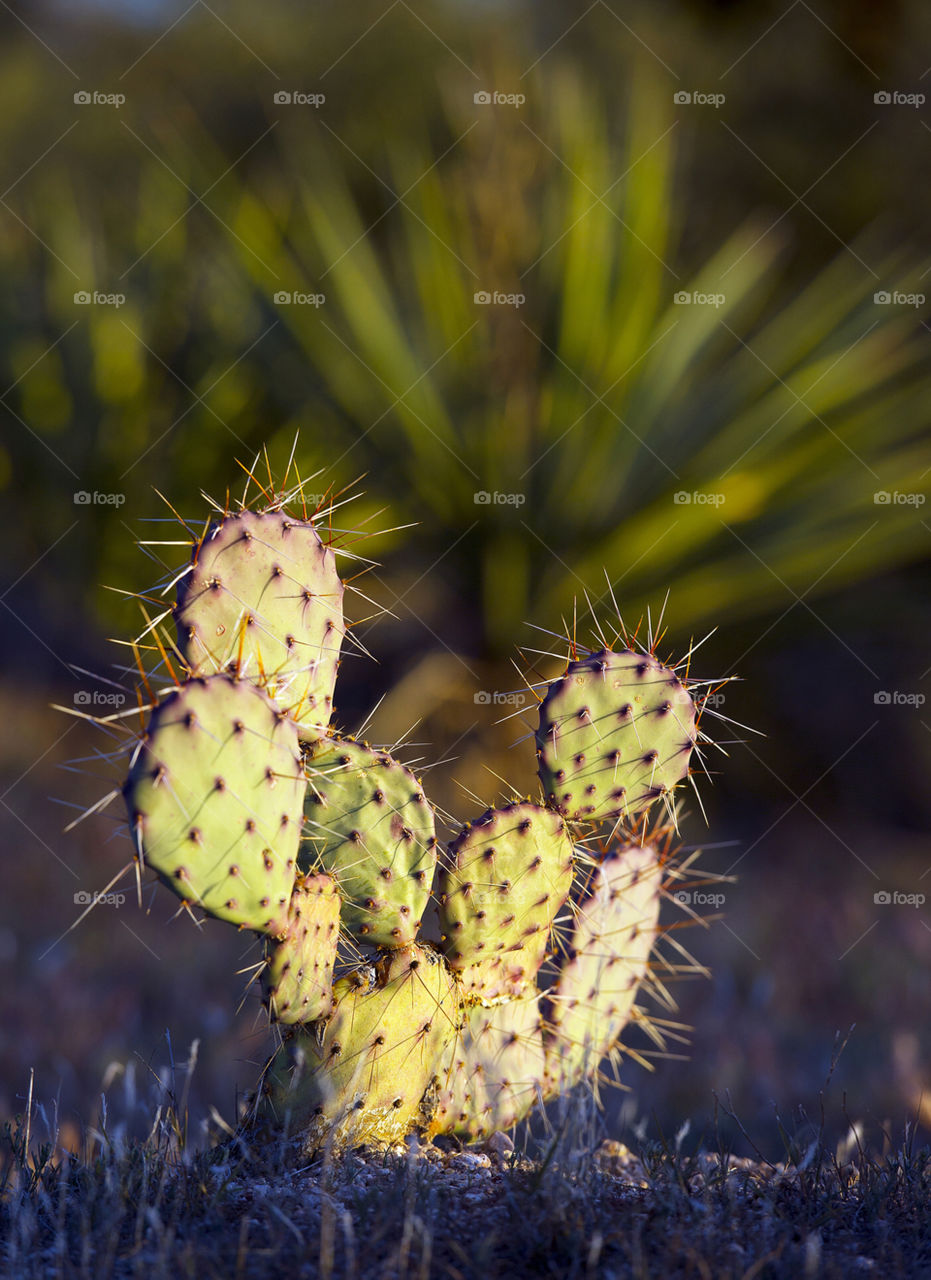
(703, 369)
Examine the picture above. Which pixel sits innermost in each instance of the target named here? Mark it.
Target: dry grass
(565, 1203)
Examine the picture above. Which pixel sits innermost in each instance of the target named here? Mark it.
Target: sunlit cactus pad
(616, 732)
(608, 953)
(264, 596)
(215, 796)
(298, 977)
(371, 1073)
(507, 876)
(496, 1070)
(369, 824)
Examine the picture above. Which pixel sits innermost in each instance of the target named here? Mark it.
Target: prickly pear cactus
(215, 796)
(263, 596)
(369, 825)
(508, 875)
(298, 977)
(616, 733)
(496, 1069)
(250, 804)
(608, 953)
(371, 1073)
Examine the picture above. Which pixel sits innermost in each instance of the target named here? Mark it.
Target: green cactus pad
(368, 824)
(369, 1074)
(616, 732)
(508, 876)
(495, 1070)
(215, 793)
(263, 598)
(608, 954)
(298, 977)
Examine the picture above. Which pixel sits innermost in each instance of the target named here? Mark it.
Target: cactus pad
(369, 1075)
(263, 598)
(214, 794)
(616, 732)
(508, 876)
(369, 825)
(608, 953)
(495, 1072)
(298, 978)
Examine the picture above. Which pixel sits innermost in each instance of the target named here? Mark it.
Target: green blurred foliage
(594, 403)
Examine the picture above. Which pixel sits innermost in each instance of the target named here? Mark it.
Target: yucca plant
(733, 448)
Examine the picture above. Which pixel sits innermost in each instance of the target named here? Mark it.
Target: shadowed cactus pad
(215, 794)
(616, 732)
(369, 825)
(508, 875)
(298, 977)
(615, 931)
(370, 1074)
(495, 1073)
(263, 597)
